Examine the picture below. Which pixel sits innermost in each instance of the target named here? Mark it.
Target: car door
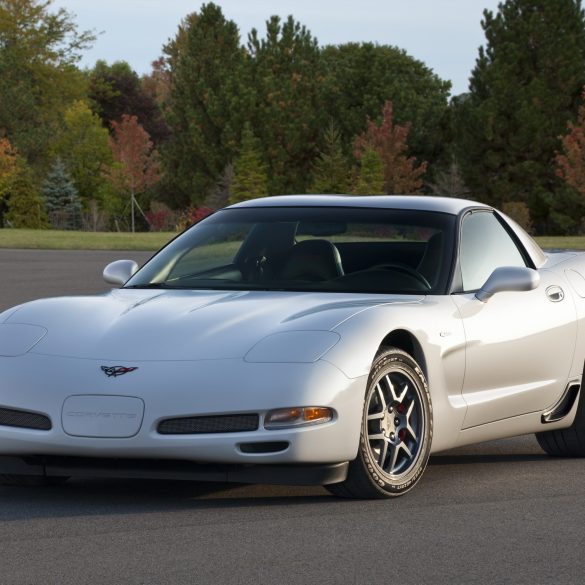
(519, 345)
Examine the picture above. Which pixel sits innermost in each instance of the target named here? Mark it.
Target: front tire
(396, 434)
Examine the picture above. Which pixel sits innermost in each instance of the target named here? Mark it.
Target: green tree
(8, 165)
(526, 84)
(62, 203)
(116, 90)
(361, 78)
(83, 146)
(25, 205)
(250, 178)
(330, 169)
(370, 178)
(38, 76)
(286, 78)
(206, 103)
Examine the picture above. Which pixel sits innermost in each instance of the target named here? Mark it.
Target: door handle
(555, 293)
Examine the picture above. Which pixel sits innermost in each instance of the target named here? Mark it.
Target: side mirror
(120, 271)
(508, 278)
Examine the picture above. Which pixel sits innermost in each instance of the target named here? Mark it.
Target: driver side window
(485, 246)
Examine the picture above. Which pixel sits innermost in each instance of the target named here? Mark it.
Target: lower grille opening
(196, 425)
(23, 419)
(266, 447)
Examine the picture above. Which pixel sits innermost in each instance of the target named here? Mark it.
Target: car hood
(138, 325)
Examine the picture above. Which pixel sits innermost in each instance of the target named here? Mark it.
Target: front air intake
(23, 419)
(197, 425)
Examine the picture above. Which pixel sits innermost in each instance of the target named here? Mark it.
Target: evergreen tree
(526, 84)
(206, 104)
(61, 200)
(250, 178)
(330, 169)
(25, 205)
(360, 77)
(370, 179)
(286, 78)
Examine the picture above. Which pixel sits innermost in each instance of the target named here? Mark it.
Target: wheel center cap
(388, 425)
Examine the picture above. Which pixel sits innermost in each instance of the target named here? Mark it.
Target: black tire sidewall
(390, 361)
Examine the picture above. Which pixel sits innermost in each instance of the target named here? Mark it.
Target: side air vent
(23, 419)
(562, 408)
(197, 425)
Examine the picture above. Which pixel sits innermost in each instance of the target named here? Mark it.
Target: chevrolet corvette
(318, 340)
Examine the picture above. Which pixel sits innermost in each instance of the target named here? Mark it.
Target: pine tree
(370, 179)
(330, 170)
(250, 178)
(206, 105)
(526, 84)
(61, 199)
(25, 205)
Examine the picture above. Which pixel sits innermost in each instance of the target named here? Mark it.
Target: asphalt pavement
(499, 512)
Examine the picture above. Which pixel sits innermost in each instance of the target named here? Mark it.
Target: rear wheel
(568, 442)
(396, 434)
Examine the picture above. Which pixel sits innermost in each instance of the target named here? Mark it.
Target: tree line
(221, 119)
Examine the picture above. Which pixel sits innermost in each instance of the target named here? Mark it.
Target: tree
(360, 78)
(250, 178)
(8, 165)
(370, 178)
(25, 206)
(571, 161)
(207, 103)
(330, 169)
(389, 140)
(116, 90)
(61, 200)
(136, 167)
(38, 77)
(285, 74)
(525, 85)
(83, 146)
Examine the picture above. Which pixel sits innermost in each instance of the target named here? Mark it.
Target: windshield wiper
(149, 285)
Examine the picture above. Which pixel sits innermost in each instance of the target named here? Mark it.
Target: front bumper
(43, 384)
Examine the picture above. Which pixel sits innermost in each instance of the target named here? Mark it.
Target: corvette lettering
(115, 371)
(114, 415)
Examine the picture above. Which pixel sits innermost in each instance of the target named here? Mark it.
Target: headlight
(293, 347)
(19, 338)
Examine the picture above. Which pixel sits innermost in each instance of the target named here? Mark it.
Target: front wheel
(396, 434)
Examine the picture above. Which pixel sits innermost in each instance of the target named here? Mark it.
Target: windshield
(308, 249)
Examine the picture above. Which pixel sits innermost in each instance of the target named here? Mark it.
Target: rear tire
(397, 431)
(569, 442)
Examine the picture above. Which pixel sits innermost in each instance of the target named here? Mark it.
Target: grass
(69, 240)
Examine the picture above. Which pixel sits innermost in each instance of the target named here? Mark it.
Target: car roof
(409, 202)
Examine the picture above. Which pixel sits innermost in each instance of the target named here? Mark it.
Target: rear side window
(485, 246)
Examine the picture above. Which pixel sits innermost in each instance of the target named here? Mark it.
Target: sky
(443, 34)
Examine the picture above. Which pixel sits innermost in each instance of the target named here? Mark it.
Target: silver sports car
(328, 340)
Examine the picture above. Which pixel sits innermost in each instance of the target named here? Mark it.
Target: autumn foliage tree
(8, 165)
(571, 161)
(136, 168)
(402, 174)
